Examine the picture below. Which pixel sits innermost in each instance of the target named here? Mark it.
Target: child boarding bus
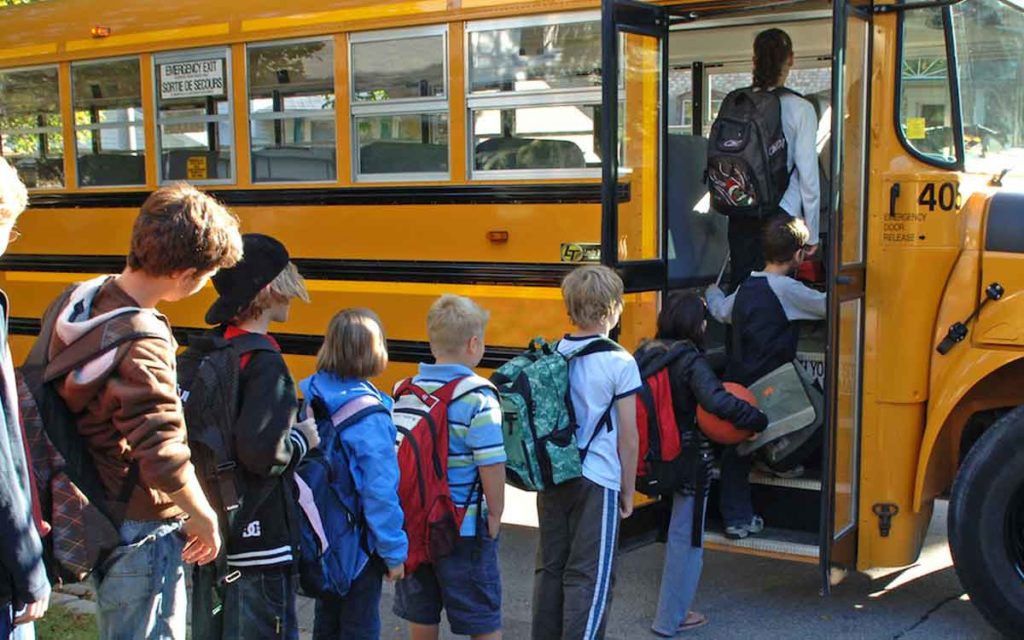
(407, 148)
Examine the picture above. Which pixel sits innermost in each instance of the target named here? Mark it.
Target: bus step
(770, 480)
(771, 543)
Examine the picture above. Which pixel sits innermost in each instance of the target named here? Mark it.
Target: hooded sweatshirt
(127, 403)
(369, 447)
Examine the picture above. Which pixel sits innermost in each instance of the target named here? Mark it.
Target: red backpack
(432, 519)
(661, 468)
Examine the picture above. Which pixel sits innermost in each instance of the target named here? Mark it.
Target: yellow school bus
(406, 148)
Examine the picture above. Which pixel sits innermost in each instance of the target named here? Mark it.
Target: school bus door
(845, 265)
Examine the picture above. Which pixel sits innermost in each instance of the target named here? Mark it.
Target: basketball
(721, 431)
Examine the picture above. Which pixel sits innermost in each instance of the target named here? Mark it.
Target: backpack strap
(249, 342)
(355, 410)
(131, 324)
(600, 345)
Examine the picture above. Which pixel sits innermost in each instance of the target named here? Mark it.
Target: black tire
(986, 524)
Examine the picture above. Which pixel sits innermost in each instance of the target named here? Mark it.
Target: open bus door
(847, 194)
(634, 223)
(633, 124)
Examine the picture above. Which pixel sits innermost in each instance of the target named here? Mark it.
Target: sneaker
(741, 531)
(796, 472)
(736, 532)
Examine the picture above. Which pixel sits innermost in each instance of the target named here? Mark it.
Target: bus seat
(294, 163)
(111, 169)
(499, 153)
(550, 154)
(386, 156)
(698, 239)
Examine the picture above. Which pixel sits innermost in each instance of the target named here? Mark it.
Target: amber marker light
(100, 32)
(497, 236)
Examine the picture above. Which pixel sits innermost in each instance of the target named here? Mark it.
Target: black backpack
(208, 382)
(747, 172)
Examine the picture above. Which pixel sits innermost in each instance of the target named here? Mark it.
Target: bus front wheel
(986, 523)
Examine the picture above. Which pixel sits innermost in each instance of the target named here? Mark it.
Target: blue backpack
(332, 528)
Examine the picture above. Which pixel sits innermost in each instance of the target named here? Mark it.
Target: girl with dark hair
(773, 59)
(683, 319)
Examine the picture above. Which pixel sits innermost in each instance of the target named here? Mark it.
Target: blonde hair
(13, 195)
(288, 284)
(351, 348)
(593, 295)
(453, 321)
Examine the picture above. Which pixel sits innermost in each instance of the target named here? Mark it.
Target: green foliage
(11, 3)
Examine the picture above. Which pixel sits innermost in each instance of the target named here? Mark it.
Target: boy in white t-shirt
(579, 520)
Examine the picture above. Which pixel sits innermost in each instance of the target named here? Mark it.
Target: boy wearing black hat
(257, 569)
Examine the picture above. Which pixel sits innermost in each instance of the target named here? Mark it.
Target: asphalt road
(747, 597)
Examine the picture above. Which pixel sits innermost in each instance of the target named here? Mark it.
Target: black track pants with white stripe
(572, 586)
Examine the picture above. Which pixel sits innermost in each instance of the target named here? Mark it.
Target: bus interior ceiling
(715, 50)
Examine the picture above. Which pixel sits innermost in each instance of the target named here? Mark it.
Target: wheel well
(975, 427)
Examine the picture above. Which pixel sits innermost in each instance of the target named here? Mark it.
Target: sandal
(692, 621)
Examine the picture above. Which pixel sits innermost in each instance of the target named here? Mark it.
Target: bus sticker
(581, 252)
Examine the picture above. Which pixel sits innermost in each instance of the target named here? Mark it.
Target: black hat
(263, 259)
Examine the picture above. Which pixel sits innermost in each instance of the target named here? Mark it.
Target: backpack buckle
(224, 467)
(231, 577)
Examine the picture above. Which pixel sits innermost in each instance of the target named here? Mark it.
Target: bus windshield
(989, 37)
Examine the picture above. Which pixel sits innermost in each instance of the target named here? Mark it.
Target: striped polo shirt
(474, 437)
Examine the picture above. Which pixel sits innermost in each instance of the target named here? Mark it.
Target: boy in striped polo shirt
(467, 584)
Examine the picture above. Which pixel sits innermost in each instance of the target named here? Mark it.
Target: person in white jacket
(773, 59)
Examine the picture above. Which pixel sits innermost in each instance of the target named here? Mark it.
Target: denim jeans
(683, 564)
(10, 632)
(140, 590)
(734, 488)
(357, 615)
(261, 604)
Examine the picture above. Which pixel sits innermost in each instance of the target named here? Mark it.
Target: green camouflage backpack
(539, 422)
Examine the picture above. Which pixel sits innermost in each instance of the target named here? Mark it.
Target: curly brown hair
(772, 48)
(178, 228)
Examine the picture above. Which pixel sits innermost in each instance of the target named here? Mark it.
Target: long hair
(772, 48)
(682, 318)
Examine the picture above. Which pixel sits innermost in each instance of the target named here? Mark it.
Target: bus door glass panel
(639, 226)
(845, 194)
(854, 114)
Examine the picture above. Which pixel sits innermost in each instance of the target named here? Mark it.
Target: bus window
(193, 101)
(990, 58)
(30, 125)
(926, 107)
(552, 65)
(110, 141)
(680, 100)
(400, 104)
(291, 111)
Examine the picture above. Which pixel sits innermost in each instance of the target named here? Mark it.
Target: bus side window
(194, 116)
(30, 125)
(110, 141)
(291, 111)
(400, 104)
(534, 96)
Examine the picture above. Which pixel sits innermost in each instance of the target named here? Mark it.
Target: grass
(61, 624)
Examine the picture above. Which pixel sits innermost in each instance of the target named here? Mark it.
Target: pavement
(749, 597)
(744, 596)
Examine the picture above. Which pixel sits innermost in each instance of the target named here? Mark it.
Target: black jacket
(267, 451)
(695, 384)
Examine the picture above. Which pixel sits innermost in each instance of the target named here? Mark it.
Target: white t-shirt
(803, 196)
(596, 382)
